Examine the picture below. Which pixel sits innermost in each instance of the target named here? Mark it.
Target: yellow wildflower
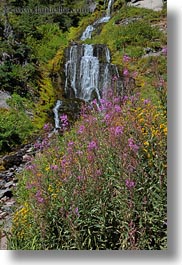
(146, 143)
(165, 130)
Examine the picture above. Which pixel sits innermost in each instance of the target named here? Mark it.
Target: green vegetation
(100, 186)
(26, 52)
(102, 183)
(15, 124)
(33, 48)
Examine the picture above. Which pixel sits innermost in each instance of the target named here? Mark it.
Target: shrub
(100, 186)
(15, 128)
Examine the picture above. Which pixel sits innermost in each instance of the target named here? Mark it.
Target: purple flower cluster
(38, 196)
(41, 145)
(64, 121)
(117, 108)
(70, 144)
(47, 127)
(115, 78)
(125, 72)
(81, 129)
(146, 101)
(80, 178)
(107, 118)
(129, 183)
(118, 130)
(77, 211)
(126, 58)
(132, 145)
(164, 50)
(92, 145)
(54, 167)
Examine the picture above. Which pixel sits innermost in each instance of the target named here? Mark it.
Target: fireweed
(102, 185)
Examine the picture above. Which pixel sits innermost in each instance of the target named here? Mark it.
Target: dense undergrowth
(100, 186)
(28, 43)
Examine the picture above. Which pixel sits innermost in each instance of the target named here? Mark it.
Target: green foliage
(15, 127)
(101, 186)
(131, 37)
(51, 39)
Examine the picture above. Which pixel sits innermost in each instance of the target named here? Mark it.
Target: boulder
(12, 160)
(3, 97)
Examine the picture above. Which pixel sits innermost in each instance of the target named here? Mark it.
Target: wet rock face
(88, 71)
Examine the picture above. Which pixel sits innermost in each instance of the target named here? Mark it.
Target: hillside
(32, 57)
(88, 91)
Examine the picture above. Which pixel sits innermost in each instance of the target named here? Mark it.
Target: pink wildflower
(132, 145)
(81, 129)
(125, 72)
(129, 183)
(126, 58)
(92, 145)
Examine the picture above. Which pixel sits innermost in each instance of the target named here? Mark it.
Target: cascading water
(87, 71)
(72, 66)
(87, 34)
(107, 17)
(56, 114)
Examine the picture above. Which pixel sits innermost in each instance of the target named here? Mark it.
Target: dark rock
(148, 50)
(7, 192)
(12, 160)
(134, 1)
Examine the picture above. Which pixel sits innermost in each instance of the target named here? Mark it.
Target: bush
(100, 186)
(15, 124)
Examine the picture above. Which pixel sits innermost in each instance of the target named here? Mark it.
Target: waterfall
(107, 17)
(108, 12)
(108, 57)
(87, 34)
(89, 73)
(88, 70)
(56, 114)
(71, 66)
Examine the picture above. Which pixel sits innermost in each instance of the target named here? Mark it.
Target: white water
(87, 34)
(89, 73)
(56, 113)
(84, 71)
(106, 78)
(71, 66)
(108, 57)
(106, 18)
(108, 12)
(84, 77)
